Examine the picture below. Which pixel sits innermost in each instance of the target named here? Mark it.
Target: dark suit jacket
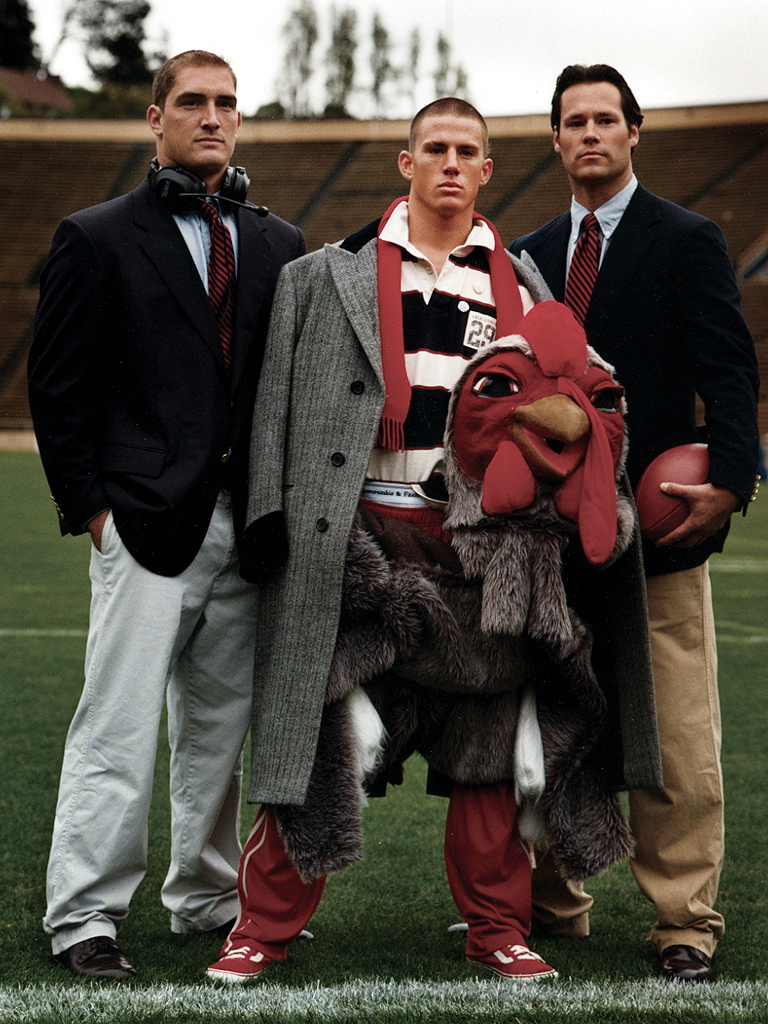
(666, 313)
(133, 407)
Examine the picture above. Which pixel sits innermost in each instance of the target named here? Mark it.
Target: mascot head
(538, 419)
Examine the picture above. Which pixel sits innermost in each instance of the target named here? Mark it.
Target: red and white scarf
(509, 312)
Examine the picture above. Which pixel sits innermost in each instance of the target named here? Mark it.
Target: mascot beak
(552, 434)
(547, 441)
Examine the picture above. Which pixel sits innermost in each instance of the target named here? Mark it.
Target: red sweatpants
(275, 904)
(488, 871)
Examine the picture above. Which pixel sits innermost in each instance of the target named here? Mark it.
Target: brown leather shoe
(685, 963)
(98, 957)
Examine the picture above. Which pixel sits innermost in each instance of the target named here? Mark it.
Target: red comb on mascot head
(475, 654)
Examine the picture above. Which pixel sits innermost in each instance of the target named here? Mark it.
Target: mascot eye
(607, 399)
(495, 385)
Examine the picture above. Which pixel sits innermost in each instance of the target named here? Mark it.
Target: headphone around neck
(180, 189)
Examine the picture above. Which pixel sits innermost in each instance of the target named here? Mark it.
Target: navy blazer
(666, 312)
(132, 404)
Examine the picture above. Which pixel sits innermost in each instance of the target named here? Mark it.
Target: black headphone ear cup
(236, 184)
(171, 185)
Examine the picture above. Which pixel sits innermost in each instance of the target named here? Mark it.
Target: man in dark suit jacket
(665, 310)
(143, 422)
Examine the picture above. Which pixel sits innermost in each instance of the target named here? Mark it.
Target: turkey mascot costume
(500, 656)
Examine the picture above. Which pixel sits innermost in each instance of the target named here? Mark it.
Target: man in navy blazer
(665, 310)
(143, 427)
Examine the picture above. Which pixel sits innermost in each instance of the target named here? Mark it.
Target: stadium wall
(330, 177)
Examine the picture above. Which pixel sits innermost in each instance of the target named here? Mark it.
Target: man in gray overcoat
(366, 342)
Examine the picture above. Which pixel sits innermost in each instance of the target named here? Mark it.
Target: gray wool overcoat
(317, 413)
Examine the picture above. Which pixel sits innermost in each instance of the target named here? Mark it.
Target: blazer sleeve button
(357, 387)
(338, 459)
(322, 524)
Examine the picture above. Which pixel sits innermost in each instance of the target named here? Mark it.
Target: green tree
(414, 65)
(340, 61)
(17, 46)
(450, 78)
(461, 82)
(443, 66)
(383, 70)
(116, 41)
(69, 17)
(300, 34)
(111, 101)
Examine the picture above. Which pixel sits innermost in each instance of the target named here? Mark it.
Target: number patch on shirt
(480, 331)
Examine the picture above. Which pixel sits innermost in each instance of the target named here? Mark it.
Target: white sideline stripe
(715, 1002)
(740, 633)
(743, 633)
(722, 563)
(44, 632)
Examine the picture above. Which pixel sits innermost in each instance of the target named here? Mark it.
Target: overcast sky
(672, 52)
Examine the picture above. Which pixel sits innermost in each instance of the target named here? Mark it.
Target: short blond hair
(165, 77)
(448, 106)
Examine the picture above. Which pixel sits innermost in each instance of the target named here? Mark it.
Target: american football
(660, 513)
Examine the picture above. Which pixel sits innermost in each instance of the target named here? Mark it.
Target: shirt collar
(193, 210)
(396, 230)
(609, 214)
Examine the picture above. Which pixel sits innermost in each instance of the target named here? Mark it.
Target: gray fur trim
(529, 276)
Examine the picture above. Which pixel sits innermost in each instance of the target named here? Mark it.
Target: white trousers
(187, 638)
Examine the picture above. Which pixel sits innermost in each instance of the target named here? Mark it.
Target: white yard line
(45, 632)
(553, 1000)
(722, 563)
(738, 633)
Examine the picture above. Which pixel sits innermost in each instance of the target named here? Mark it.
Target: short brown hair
(449, 105)
(581, 74)
(166, 76)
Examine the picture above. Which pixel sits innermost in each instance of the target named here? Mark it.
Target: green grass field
(381, 951)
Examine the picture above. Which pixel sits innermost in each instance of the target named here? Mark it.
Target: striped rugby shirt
(446, 319)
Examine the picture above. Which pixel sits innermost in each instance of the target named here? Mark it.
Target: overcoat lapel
(354, 276)
(166, 249)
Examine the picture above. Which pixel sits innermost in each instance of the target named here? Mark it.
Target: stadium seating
(332, 177)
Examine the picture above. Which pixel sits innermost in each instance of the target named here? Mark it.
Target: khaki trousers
(679, 830)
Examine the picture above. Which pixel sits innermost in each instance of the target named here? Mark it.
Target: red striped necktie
(221, 278)
(584, 265)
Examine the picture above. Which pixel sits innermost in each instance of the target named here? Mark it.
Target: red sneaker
(241, 963)
(517, 963)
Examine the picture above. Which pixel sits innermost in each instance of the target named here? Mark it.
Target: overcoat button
(338, 459)
(322, 525)
(357, 387)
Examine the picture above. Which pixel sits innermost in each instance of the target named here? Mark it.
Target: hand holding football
(659, 513)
